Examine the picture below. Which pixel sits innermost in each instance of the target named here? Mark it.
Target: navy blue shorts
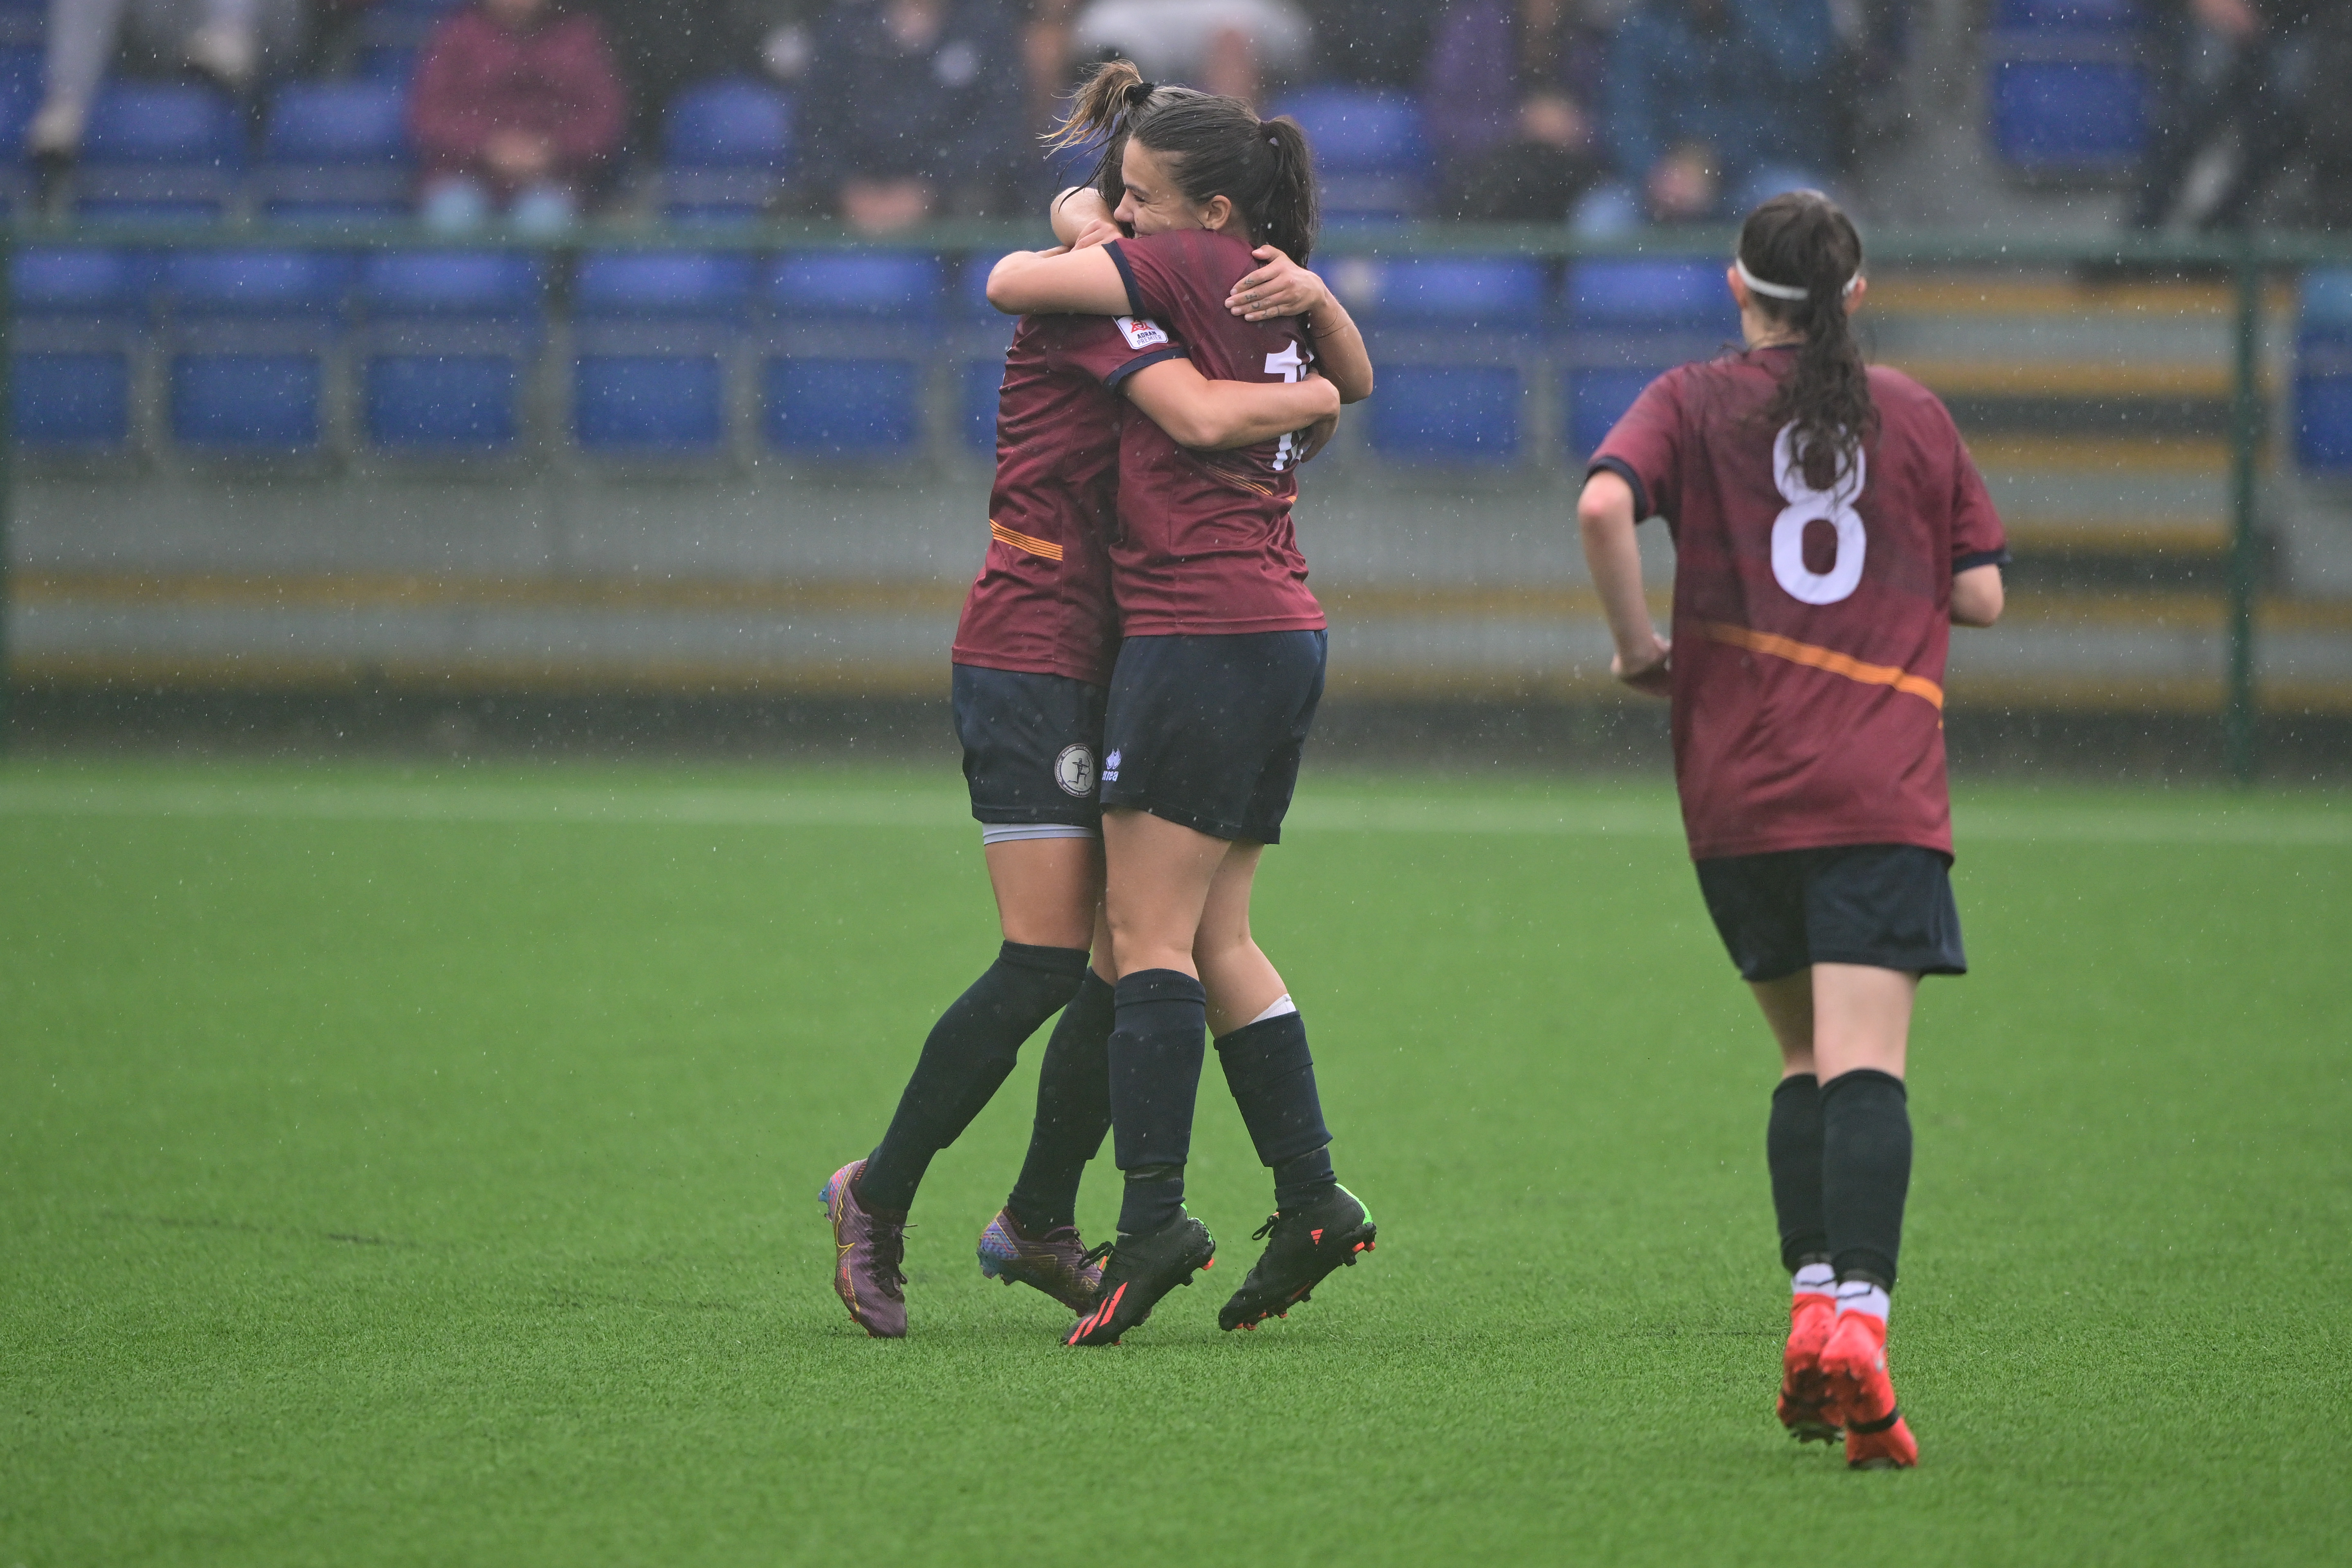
(1885, 905)
(1206, 731)
(1031, 750)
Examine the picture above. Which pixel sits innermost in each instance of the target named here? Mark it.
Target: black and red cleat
(1302, 1248)
(1139, 1270)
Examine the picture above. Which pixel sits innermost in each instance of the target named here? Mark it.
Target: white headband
(1783, 291)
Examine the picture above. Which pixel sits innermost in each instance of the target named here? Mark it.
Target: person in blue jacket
(1710, 108)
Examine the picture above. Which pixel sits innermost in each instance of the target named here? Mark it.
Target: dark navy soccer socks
(1156, 1043)
(1792, 1151)
(1865, 1172)
(1073, 1110)
(969, 1051)
(1271, 1076)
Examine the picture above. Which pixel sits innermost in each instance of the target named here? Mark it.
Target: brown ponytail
(1214, 146)
(1102, 102)
(1217, 147)
(1801, 239)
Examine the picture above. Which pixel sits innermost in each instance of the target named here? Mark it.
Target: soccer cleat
(1804, 1407)
(867, 1252)
(1056, 1262)
(1854, 1364)
(1141, 1269)
(1302, 1248)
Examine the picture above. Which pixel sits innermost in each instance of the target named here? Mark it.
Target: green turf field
(422, 1167)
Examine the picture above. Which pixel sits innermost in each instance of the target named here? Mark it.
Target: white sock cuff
(1862, 1295)
(1814, 1279)
(1276, 1009)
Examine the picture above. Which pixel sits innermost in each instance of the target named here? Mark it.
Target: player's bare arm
(1283, 288)
(1977, 597)
(1063, 281)
(1604, 514)
(1082, 219)
(1214, 415)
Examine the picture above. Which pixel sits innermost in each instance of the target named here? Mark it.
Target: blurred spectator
(1712, 107)
(1373, 43)
(2223, 66)
(661, 46)
(232, 41)
(2329, 121)
(1508, 83)
(912, 109)
(1862, 100)
(516, 107)
(1218, 45)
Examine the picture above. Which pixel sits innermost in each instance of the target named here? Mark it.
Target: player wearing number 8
(1830, 528)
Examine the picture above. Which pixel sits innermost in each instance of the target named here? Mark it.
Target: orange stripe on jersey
(1022, 542)
(1836, 663)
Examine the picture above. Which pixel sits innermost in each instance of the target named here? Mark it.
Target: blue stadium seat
(1628, 321)
(2073, 13)
(655, 334)
(982, 336)
(447, 342)
(728, 146)
(2068, 87)
(1370, 159)
(335, 150)
(248, 345)
(850, 335)
(1457, 340)
(2323, 375)
(393, 33)
(159, 152)
(80, 330)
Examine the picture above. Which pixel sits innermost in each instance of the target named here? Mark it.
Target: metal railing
(2245, 260)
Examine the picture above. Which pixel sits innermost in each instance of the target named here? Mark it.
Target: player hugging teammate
(1139, 642)
(1830, 527)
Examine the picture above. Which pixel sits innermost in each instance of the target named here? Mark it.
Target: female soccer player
(1215, 687)
(1830, 527)
(1032, 656)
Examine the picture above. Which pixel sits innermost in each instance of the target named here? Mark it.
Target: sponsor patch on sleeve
(1141, 332)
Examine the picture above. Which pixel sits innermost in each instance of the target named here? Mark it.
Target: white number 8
(1806, 505)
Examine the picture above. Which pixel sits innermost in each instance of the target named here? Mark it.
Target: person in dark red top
(1216, 683)
(1032, 655)
(1830, 528)
(514, 108)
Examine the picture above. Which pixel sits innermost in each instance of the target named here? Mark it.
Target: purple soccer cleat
(1055, 1262)
(867, 1251)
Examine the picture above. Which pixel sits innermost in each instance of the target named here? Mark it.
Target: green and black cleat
(1302, 1248)
(1142, 1268)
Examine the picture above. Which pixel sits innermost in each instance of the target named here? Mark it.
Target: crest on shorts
(1073, 770)
(1141, 332)
(1111, 768)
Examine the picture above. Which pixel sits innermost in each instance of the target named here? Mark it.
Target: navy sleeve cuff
(1624, 471)
(1171, 351)
(1126, 276)
(1982, 558)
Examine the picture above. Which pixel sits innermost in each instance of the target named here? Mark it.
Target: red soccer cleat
(1853, 1363)
(1804, 1408)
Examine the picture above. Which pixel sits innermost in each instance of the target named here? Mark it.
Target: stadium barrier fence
(2245, 260)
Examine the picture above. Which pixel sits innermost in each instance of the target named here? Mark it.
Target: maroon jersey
(1042, 603)
(1204, 544)
(1810, 627)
